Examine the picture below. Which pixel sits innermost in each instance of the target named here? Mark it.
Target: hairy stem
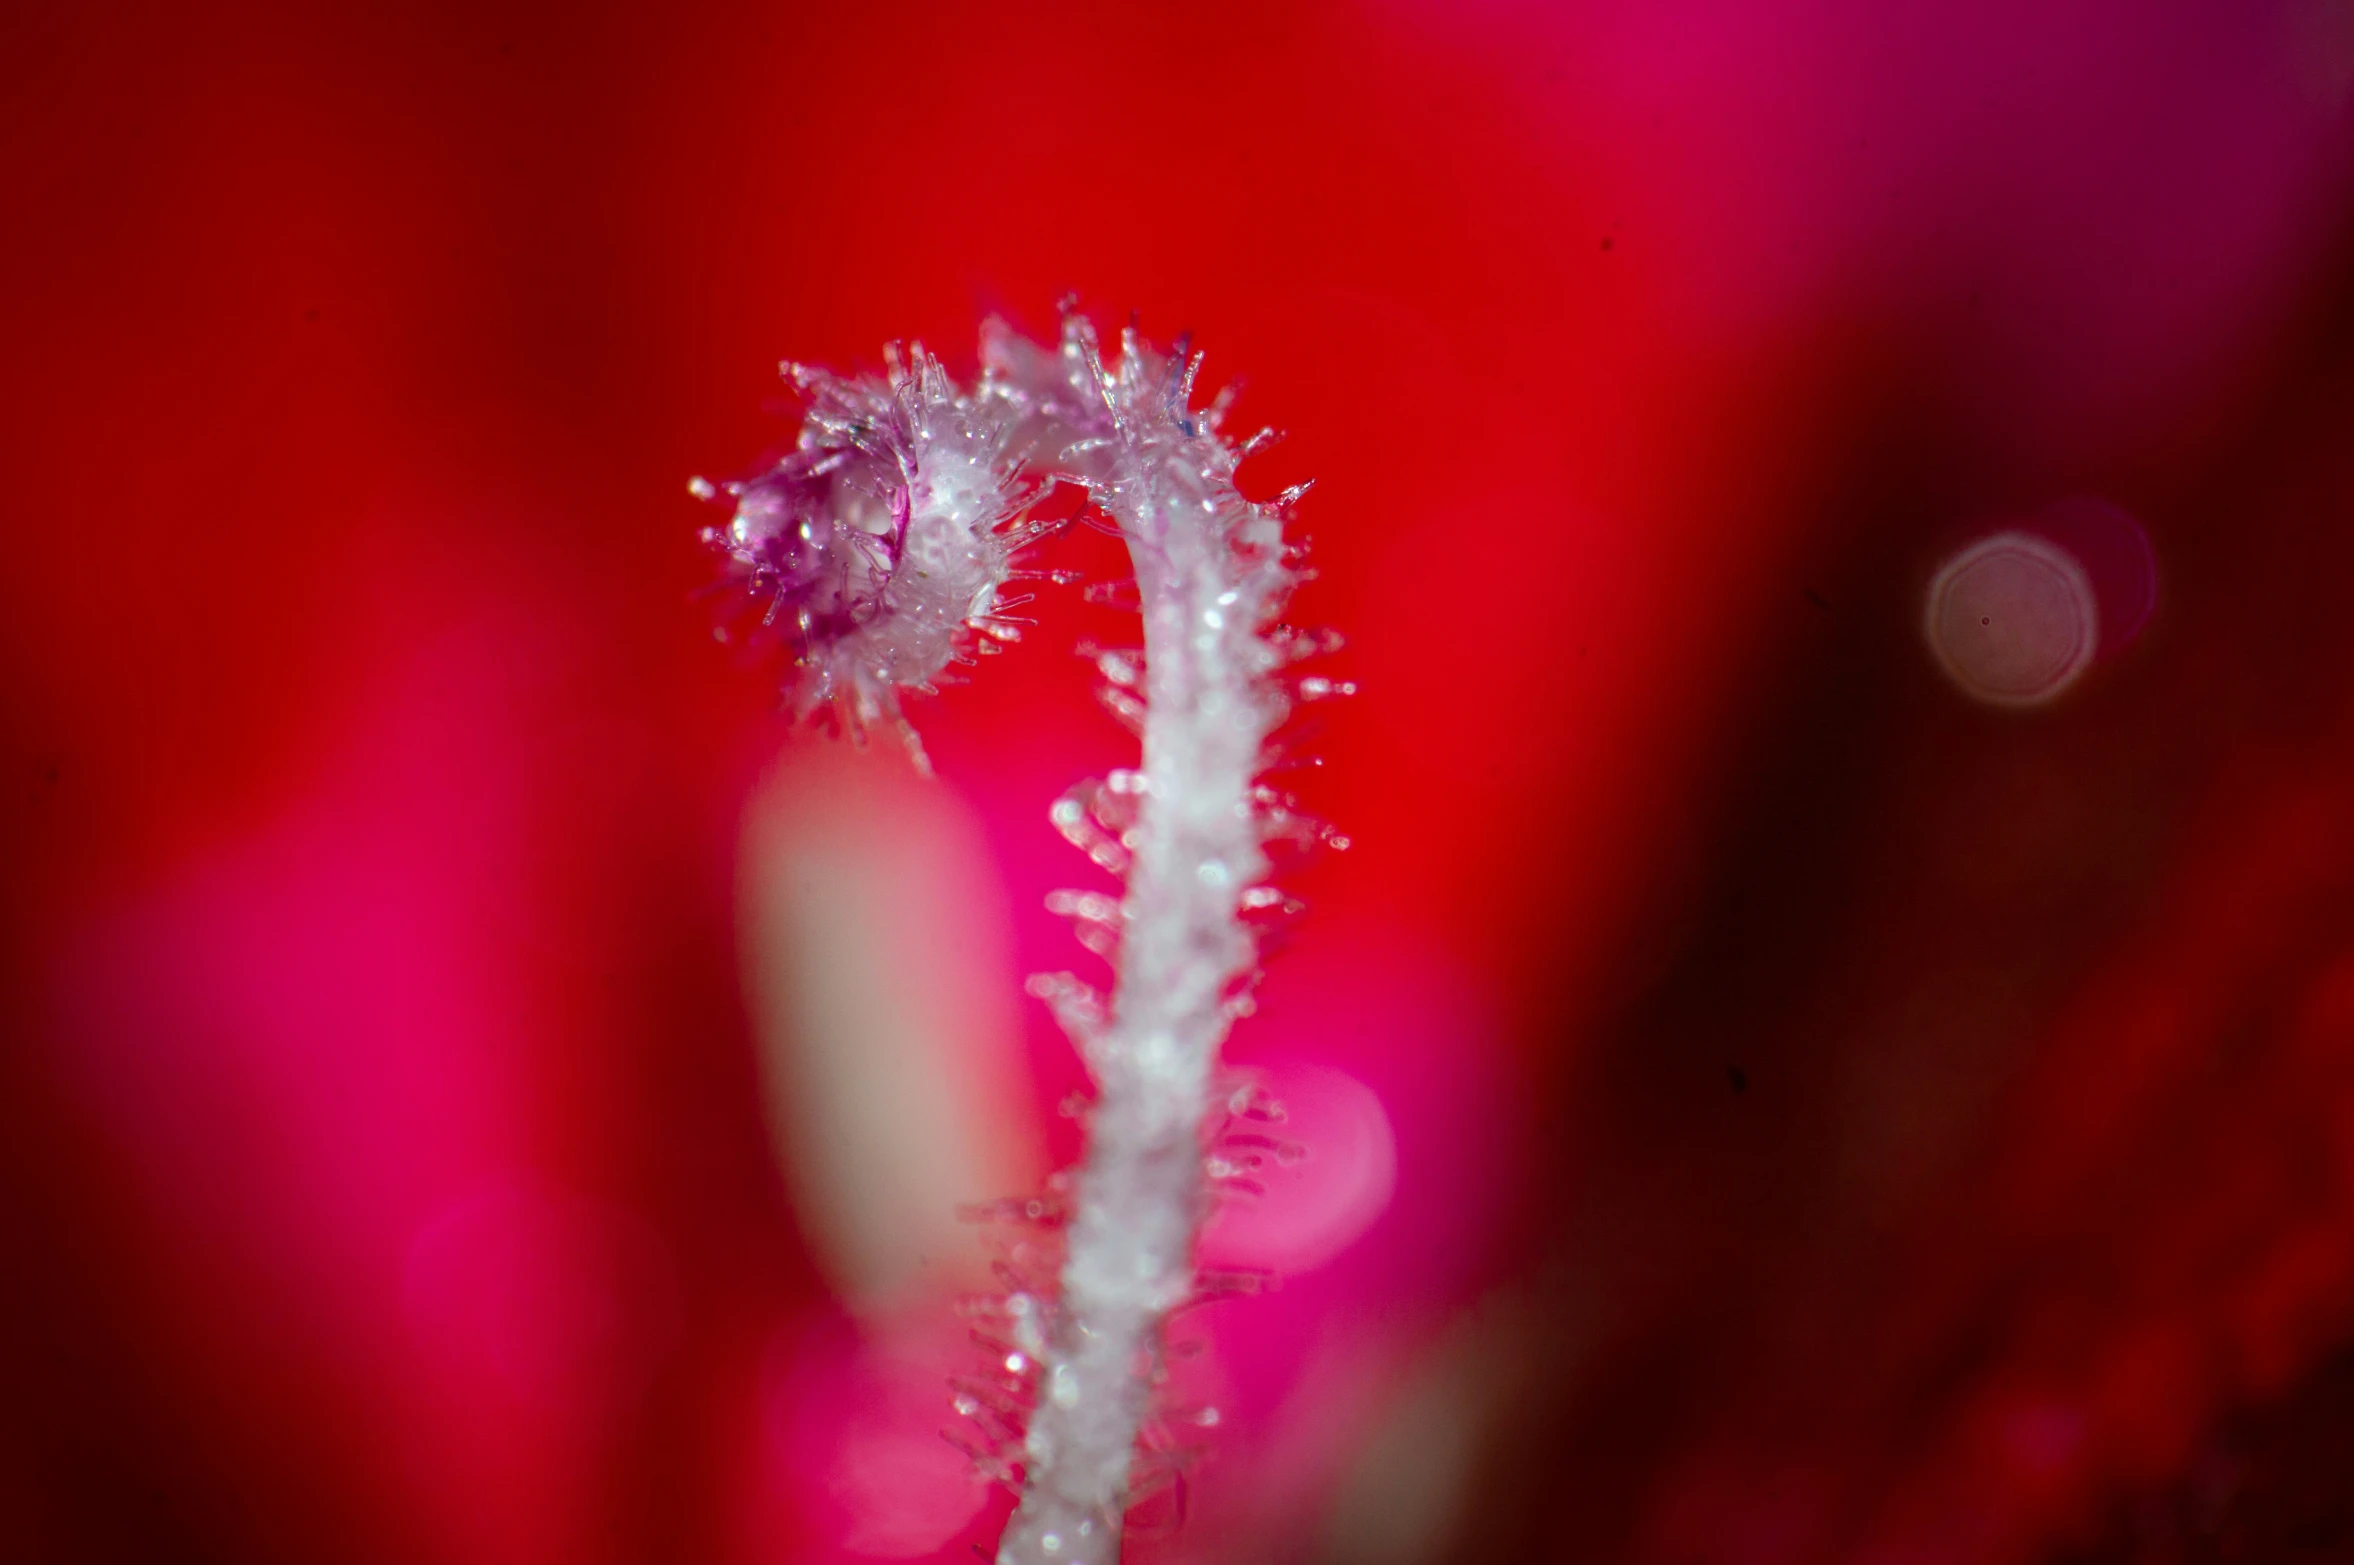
(1207, 572)
(878, 551)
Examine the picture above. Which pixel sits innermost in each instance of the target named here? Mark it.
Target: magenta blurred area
(1759, 1104)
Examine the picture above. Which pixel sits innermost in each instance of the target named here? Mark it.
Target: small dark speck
(1739, 1078)
(1817, 599)
(1608, 242)
(310, 315)
(1581, 652)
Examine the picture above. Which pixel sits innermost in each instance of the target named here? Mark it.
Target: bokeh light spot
(857, 1422)
(2013, 619)
(2116, 556)
(1332, 1173)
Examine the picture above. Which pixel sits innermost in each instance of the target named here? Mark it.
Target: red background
(1879, 1128)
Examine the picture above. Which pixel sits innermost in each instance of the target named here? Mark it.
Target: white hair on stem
(889, 479)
